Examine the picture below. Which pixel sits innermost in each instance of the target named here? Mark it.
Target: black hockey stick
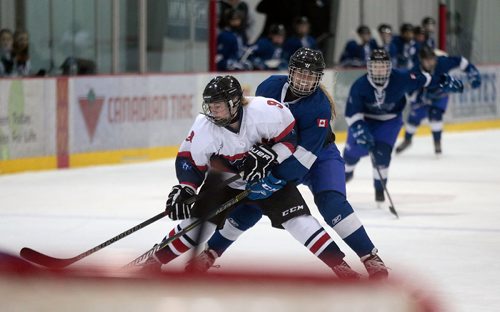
(391, 204)
(59, 263)
(188, 228)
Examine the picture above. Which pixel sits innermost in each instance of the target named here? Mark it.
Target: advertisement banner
(111, 113)
(27, 118)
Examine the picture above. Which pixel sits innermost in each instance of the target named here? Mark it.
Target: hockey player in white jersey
(252, 135)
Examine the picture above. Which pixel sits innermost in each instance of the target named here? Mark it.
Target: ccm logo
(292, 210)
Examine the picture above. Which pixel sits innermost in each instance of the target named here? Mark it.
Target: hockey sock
(410, 130)
(241, 219)
(338, 213)
(183, 243)
(436, 135)
(307, 230)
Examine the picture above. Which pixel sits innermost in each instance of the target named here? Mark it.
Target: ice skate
(349, 176)
(151, 265)
(202, 262)
(403, 146)
(379, 198)
(437, 148)
(375, 266)
(344, 272)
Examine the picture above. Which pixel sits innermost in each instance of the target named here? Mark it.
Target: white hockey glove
(178, 210)
(258, 162)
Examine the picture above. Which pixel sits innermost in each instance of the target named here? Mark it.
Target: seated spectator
(267, 52)
(279, 12)
(241, 6)
(429, 29)
(403, 49)
(419, 35)
(6, 45)
(21, 55)
(300, 39)
(230, 46)
(357, 51)
(385, 33)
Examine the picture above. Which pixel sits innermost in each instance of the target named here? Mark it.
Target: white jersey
(263, 120)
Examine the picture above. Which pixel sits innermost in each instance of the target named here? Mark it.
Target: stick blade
(393, 211)
(44, 260)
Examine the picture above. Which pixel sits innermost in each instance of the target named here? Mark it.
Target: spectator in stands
(300, 39)
(267, 53)
(230, 43)
(242, 7)
(429, 29)
(385, 33)
(403, 49)
(6, 45)
(357, 51)
(21, 55)
(318, 12)
(419, 35)
(277, 12)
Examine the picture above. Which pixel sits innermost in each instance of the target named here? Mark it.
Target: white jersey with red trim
(262, 120)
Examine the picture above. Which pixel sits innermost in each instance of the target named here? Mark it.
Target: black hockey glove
(175, 202)
(258, 162)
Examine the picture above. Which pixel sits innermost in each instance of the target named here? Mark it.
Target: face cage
(379, 80)
(300, 86)
(221, 122)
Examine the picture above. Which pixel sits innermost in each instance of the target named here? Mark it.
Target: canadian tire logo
(91, 107)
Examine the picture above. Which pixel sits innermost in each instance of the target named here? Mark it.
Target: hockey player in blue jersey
(316, 163)
(374, 113)
(431, 103)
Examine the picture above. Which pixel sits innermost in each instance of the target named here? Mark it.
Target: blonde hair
(331, 100)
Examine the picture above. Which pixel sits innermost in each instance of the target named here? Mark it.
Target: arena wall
(50, 123)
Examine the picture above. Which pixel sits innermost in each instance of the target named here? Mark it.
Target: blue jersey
(443, 65)
(355, 54)
(312, 121)
(294, 43)
(366, 100)
(403, 54)
(229, 49)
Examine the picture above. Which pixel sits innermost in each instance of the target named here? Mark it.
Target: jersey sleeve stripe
(463, 63)
(284, 150)
(285, 132)
(305, 157)
(354, 118)
(188, 156)
(190, 184)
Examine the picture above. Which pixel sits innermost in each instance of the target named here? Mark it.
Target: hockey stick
(188, 228)
(391, 204)
(59, 263)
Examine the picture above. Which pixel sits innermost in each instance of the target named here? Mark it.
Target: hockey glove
(175, 202)
(449, 84)
(258, 162)
(473, 76)
(362, 135)
(264, 188)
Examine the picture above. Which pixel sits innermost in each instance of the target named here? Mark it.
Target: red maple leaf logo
(91, 107)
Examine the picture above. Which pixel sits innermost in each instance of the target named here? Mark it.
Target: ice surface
(447, 237)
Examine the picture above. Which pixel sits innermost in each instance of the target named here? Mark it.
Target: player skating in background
(316, 163)
(230, 132)
(374, 113)
(431, 103)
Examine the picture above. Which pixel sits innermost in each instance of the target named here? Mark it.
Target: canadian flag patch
(322, 123)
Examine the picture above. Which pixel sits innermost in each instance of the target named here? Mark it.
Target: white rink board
(27, 118)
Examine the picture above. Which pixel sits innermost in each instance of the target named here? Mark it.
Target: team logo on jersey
(322, 123)
(412, 76)
(190, 137)
(336, 219)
